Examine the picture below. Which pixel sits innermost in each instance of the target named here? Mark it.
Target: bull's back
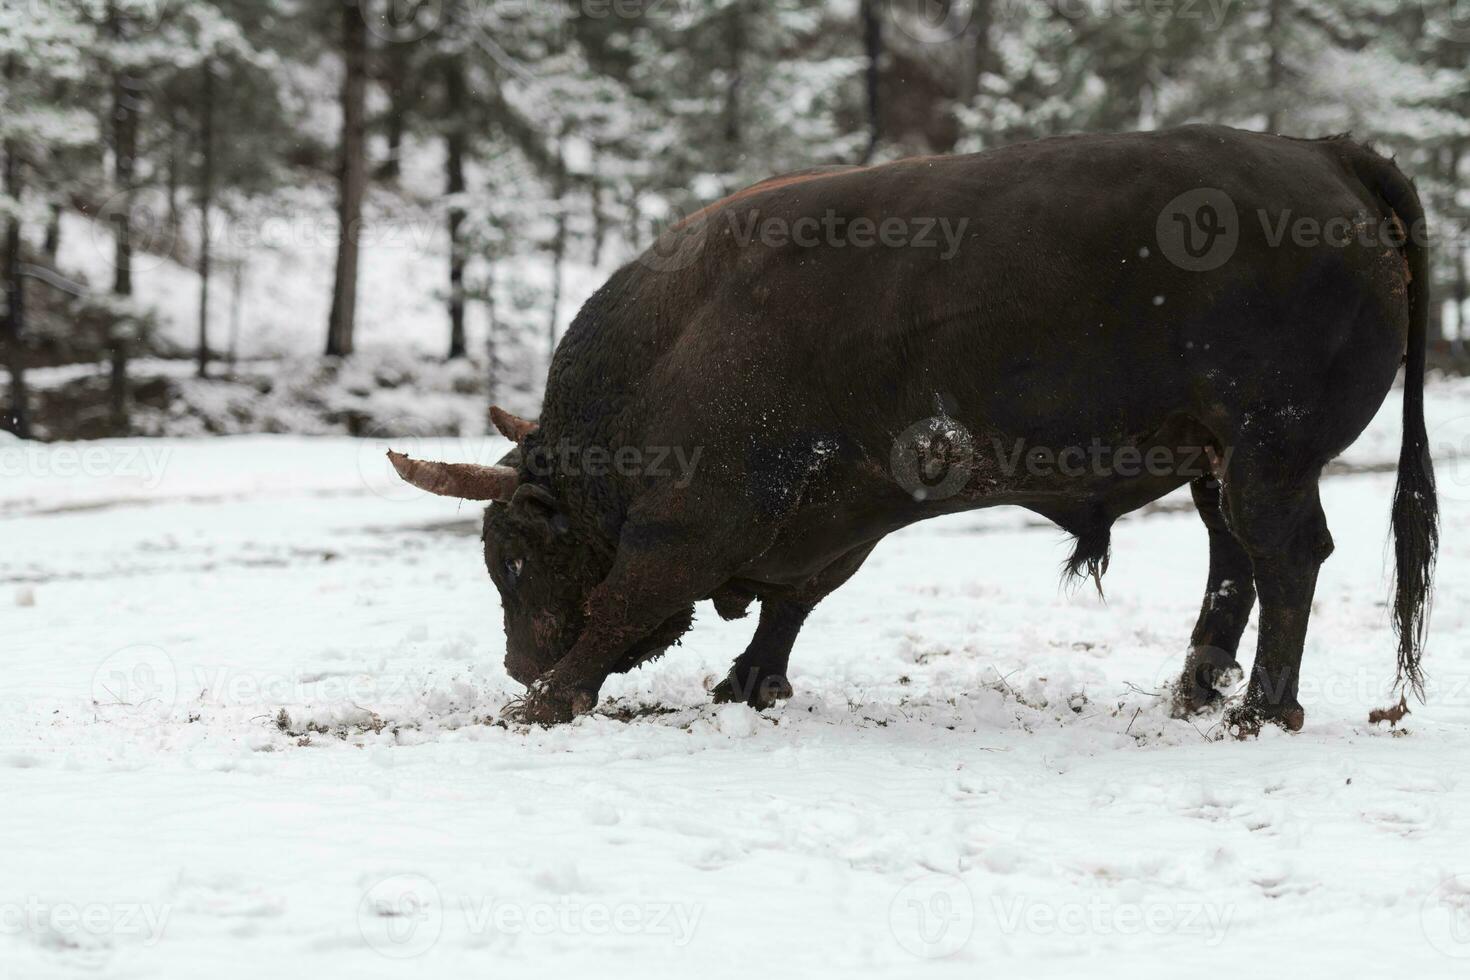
(1039, 302)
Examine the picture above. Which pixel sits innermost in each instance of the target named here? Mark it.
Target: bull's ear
(513, 427)
(537, 505)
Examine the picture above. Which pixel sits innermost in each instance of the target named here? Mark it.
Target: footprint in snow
(1406, 818)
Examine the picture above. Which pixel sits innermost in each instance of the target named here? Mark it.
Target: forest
(235, 165)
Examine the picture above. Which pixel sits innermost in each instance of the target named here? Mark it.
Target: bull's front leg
(571, 687)
(647, 586)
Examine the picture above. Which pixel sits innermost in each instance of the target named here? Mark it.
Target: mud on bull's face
(535, 562)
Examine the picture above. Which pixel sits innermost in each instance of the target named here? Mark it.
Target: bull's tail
(1415, 509)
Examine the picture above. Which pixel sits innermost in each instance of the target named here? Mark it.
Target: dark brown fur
(794, 370)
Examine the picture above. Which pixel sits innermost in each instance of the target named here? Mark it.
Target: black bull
(1076, 326)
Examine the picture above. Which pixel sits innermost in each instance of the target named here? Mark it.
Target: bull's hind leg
(758, 676)
(1229, 596)
(1277, 516)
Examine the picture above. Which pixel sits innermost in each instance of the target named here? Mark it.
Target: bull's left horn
(467, 481)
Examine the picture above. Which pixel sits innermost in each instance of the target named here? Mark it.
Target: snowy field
(247, 729)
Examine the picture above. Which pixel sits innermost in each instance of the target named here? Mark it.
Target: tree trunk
(237, 287)
(18, 418)
(735, 32)
(559, 240)
(351, 178)
(980, 58)
(1460, 295)
(873, 46)
(53, 231)
(454, 139)
(172, 176)
(595, 191)
(396, 81)
(126, 104)
(1461, 287)
(492, 368)
(1275, 65)
(635, 221)
(206, 201)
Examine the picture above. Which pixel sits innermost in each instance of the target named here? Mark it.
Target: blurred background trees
(522, 148)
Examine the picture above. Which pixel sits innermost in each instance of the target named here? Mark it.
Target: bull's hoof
(761, 693)
(1246, 720)
(552, 706)
(1208, 673)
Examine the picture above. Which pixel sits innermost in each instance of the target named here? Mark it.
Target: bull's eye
(513, 568)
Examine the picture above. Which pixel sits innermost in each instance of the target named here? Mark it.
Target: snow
(244, 729)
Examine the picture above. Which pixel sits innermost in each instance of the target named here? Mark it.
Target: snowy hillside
(249, 727)
(282, 305)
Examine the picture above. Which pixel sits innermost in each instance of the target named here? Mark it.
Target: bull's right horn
(467, 481)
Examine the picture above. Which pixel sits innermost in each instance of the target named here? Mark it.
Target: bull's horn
(513, 427)
(467, 481)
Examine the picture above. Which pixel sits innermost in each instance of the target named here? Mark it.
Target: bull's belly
(1085, 495)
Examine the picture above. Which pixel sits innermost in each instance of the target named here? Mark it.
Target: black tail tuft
(1415, 515)
(1089, 558)
(1415, 529)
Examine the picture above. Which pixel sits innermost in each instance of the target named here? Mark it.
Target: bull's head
(535, 557)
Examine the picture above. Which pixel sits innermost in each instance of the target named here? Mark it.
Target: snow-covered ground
(247, 728)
